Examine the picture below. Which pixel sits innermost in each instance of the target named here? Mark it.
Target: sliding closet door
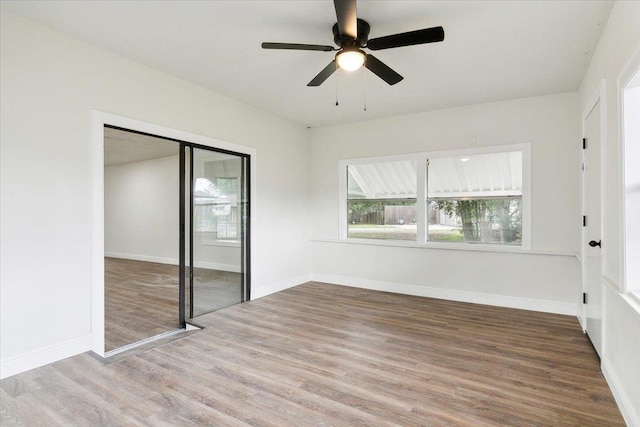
(176, 234)
(218, 216)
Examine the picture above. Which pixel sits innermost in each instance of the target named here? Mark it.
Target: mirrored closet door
(176, 235)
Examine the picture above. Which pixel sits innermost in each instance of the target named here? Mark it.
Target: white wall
(50, 83)
(621, 317)
(547, 280)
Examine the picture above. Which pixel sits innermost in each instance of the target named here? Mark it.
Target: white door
(591, 243)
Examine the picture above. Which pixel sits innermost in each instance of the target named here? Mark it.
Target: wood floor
(322, 355)
(141, 298)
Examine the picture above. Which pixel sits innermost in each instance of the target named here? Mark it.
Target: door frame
(598, 99)
(98, 120)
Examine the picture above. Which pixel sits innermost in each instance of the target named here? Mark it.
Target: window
(629, 84)
(475, 196)
(381, 200)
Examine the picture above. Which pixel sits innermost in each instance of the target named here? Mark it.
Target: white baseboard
(630, 414)
(27, 361)
(452, 294)
(281, 285)
(174, 261)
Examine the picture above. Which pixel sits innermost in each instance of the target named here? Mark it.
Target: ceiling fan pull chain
(337, 83)
(364, 86)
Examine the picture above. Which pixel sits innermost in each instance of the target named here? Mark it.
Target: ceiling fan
(351, 34)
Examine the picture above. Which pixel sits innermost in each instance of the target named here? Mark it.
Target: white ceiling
(493, 50)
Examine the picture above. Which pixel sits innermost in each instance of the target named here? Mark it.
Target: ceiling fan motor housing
(361, 41)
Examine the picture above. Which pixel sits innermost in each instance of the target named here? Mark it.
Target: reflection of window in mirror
(216, 207)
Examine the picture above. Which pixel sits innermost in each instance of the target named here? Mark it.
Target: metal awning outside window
(473, 176)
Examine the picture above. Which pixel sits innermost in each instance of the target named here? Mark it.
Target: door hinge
(584, 220)
(584, 143)
(584, 297)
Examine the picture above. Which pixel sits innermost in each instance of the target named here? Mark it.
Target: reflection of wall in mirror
(141, 216)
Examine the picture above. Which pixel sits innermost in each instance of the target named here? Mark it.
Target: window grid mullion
(421, 201)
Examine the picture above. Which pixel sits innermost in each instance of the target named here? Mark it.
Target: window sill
(472, 247)
(634, 300)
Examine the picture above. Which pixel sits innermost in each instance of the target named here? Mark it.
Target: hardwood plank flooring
(322, 355)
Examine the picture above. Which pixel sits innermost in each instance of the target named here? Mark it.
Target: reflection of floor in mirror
(141, 298)
(214, 289)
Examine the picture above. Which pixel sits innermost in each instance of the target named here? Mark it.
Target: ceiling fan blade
(347, 18)
(382, 70)
(297, 46)
(323, 75)
(426, 35)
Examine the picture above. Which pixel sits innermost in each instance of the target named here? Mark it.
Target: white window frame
(630, 71)
(421, 159)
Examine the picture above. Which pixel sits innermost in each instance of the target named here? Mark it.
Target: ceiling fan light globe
(350, 60)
